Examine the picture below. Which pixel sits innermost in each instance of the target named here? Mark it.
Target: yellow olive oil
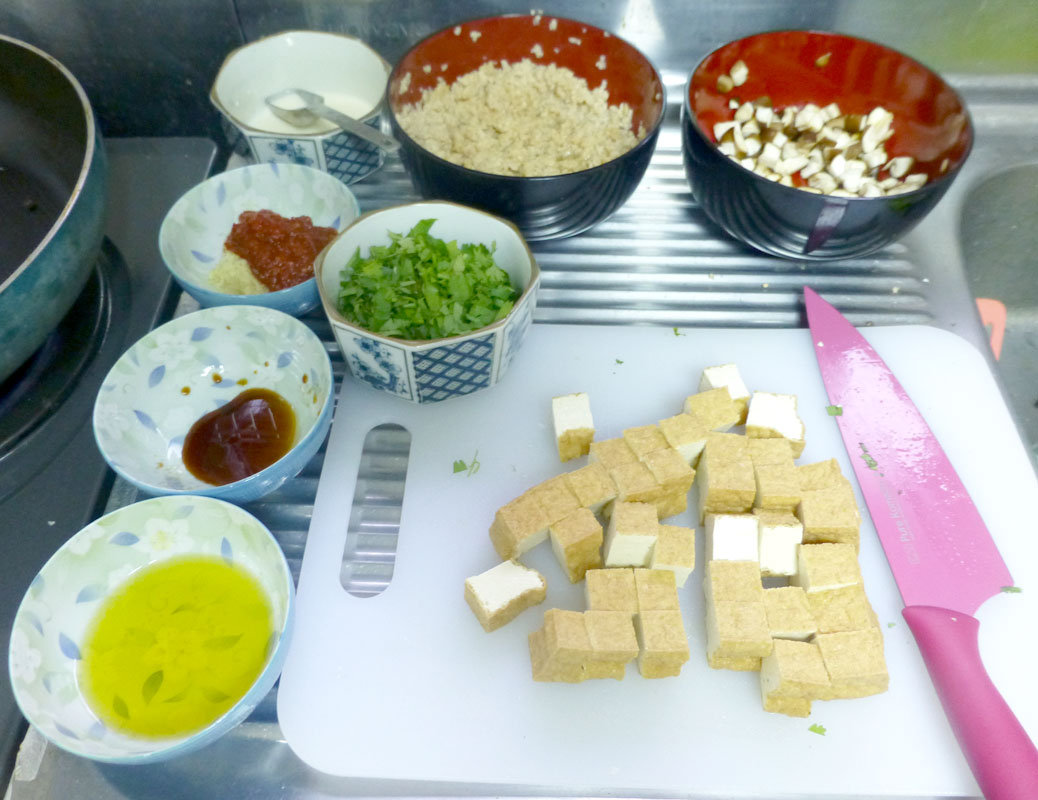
(176, 647)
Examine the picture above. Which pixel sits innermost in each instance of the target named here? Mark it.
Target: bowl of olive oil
(153, 631)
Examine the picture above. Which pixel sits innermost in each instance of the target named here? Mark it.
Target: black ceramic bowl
(793, 68)
(541, 207)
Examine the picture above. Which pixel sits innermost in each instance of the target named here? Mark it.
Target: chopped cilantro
(471, 468)
(869, 460)
(677, 332)
(420, 287)
(1011, 589)
(834, 411)
(891, 624)
(819, 729)
(618, 361)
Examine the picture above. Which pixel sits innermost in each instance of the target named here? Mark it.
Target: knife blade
(940, 552)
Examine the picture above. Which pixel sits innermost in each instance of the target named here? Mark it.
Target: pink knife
(941, 554)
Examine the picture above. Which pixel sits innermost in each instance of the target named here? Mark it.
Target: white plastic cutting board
(407, 685)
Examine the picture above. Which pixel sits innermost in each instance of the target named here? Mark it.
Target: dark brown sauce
(240, 438)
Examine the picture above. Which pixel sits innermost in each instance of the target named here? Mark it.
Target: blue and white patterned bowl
(436, 369)
(348, 73)
(194, 364)
(193, 232)
(61, 602)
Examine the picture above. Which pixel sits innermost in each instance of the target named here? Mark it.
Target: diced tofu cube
(573, 423)
(686, 434)
(734, 663)
(777, 485)
(675, 550)
(559, 650)
(789, 613)
(500, 594)
(577, 543)
(714, 408)
(775, 415)
(734, 581)
(830, 514)
(644, 439)
(790, 706)
(592, 486)
(779, 536)
(519, 526)
(841, 610)
(770, 451)
(612, 636)
(819, 475)
(671, 504)
(631, 535)
(656, 590)
(821, 567)
(670, 470)
(735, 629)
(605, 669)
(635, 483)
(611, 590)
(727, 376)
(555, 497)
(663, 643)
(855, 663)
(611, 453)
(792, 670)
(725, 476)
(732, 537)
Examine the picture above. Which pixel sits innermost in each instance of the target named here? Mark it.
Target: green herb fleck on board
(469, 469)
(677, 332)
(619, 361)
(834, 411)
(869, 460)
(1011, 589)
(819, 729)
(891, 624)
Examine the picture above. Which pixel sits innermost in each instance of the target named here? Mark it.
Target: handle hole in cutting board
(374, 526)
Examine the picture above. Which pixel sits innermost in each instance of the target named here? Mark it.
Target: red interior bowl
(464, 47)
(930, 119)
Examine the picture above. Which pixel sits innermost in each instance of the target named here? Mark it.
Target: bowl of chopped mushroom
(547, 122)
(819, 146)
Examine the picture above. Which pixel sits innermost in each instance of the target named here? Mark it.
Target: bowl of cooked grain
(819, 146)
(547, 122)
(249, 236)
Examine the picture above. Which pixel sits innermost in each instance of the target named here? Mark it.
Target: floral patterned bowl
(62, 600)
(194, 230)
(436, 369)
(193, 365)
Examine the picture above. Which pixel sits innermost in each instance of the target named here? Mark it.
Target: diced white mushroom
(837, 165)
(822, 181)
(916, 179)
(721, 128)
(811, 168)
(898, 167)
(888, 183)
(876, 159)
(764, 114)
(725, 84)
(786, 180)
(733, 103)
(739, 72)
(728, 148)
(770, 155)
(870, 189)
(841, 193)
(831, 111)
(744, 113)
(749, 163)
(752, 145)
(750, 128)
(790, 166)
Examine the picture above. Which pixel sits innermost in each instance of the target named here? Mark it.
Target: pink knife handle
(1000, 753)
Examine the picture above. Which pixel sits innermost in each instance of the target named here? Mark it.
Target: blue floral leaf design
(225, 550)
(284, 360)
(176, 441)
(65, 731)
(335, 222)
(124, 539)
(68, 647)
(221, 193)
(205, 259)
(96, 731)
(48, 682)
(274, 166)
(201, 334)
(38, 585)
(156, 376)
(183, 511)
(33, 620)
(145, 420)
(90, 593)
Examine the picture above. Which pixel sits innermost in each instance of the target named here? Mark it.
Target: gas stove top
(52, 479)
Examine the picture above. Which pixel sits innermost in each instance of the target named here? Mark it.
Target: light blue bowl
(193, 365)
(61, 602)
(192, 234)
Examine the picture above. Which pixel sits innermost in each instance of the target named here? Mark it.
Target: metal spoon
(313, 108)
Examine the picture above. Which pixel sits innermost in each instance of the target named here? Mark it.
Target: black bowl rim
(946, 177)
(650, 134)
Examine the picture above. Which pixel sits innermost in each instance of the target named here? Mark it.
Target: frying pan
(52, 197)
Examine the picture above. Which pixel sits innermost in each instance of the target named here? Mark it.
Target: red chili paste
(280, 250)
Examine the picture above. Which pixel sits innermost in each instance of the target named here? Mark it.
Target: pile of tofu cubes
(783, 589)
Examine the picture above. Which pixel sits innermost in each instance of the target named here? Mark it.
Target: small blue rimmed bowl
(194, 364)
(47, 639)
(193, 232)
